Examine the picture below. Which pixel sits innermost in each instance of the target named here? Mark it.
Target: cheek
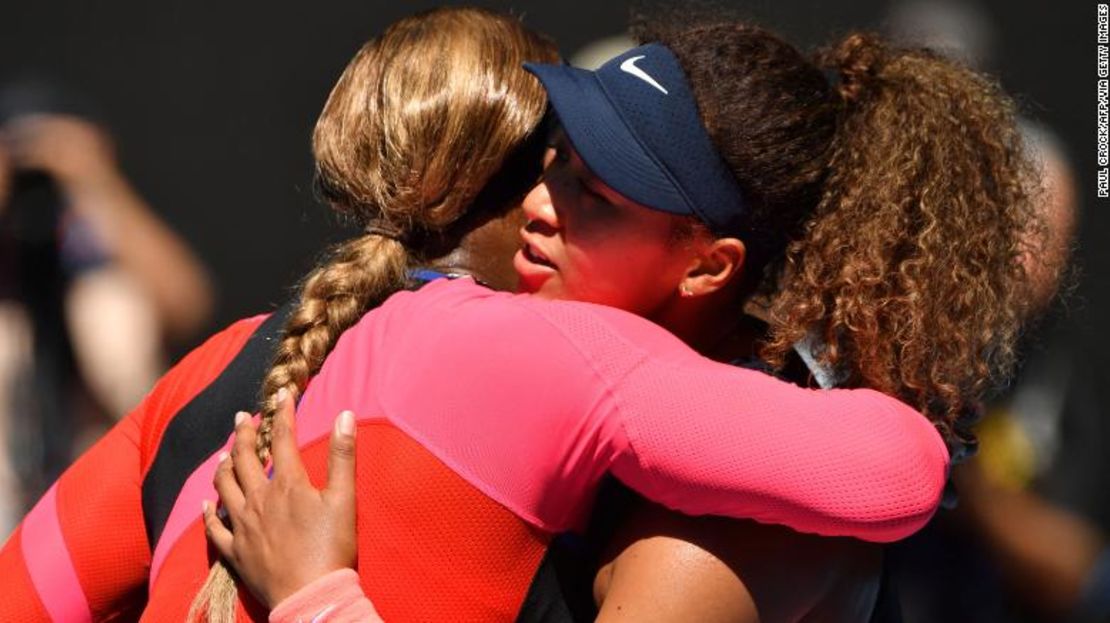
(632, 275)
(652, 279)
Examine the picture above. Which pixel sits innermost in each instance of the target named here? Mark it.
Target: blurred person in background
(1027, 541)
(92, 286)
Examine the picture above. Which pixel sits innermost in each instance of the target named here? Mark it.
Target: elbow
(914, 473)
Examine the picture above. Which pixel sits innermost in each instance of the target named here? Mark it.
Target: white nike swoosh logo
(629, 67)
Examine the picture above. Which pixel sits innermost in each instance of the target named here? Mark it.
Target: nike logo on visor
(629, 67)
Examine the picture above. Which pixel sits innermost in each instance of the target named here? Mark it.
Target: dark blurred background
(212, 103)
(211, 106)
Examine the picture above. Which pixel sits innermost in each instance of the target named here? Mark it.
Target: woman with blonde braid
(109, 539)
(907, 161)
(486, 420)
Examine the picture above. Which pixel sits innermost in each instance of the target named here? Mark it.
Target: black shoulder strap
(204, 424)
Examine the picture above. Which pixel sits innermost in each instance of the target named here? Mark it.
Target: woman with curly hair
(884, 211)
(903, 272)
(471, 458)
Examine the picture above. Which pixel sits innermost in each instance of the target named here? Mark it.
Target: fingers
(283, 440)
(217, 532)
(341, 456)
(228, 487)
(248, 469)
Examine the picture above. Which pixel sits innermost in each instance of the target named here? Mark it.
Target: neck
(484, 267)
(459, 261)
(486, 251)
(713, 325)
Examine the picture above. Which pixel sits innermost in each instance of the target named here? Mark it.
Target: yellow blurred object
(1006, 454)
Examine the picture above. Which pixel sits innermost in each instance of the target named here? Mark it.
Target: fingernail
(346, 423)
(281, 395)
(240, 417)
(221, 457)
(204, 507)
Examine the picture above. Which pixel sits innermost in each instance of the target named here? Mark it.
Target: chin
(551, 292)
(548, 289)
(529, 282)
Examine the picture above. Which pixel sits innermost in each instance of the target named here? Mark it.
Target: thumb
(341, 456)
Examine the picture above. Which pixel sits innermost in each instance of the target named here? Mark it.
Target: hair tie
(385, 229)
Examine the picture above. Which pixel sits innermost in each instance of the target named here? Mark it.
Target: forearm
(338, 598)
(116, 337)
(145, 247)
(741, 444)
(333, 598)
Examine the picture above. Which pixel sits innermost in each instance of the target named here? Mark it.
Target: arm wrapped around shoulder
(714, 439)
(589, 389)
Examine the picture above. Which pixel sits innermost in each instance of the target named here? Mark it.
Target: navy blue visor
(635, 124)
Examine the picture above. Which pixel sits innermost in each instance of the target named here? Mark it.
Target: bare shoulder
(665, 566)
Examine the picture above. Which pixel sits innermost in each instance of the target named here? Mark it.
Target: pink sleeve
(332, 598)
(705, 438)
(832, 462)
(535, 401)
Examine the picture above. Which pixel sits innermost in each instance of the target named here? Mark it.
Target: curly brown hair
(898, 190)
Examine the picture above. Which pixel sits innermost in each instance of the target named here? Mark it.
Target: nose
(539, 209)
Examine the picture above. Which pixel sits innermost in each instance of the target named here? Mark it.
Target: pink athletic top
(569, 391)
(560, 393)
(486, 421)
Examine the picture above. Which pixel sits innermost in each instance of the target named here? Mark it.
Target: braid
(363, 272)
(405, 146)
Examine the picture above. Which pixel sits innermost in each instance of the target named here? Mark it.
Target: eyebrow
(594, 184)
(582, 171)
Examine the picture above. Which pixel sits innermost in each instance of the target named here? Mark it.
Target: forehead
(605, 208)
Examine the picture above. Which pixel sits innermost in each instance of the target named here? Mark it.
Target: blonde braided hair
(417, 126)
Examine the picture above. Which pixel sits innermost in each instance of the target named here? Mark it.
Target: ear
(716, 265)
